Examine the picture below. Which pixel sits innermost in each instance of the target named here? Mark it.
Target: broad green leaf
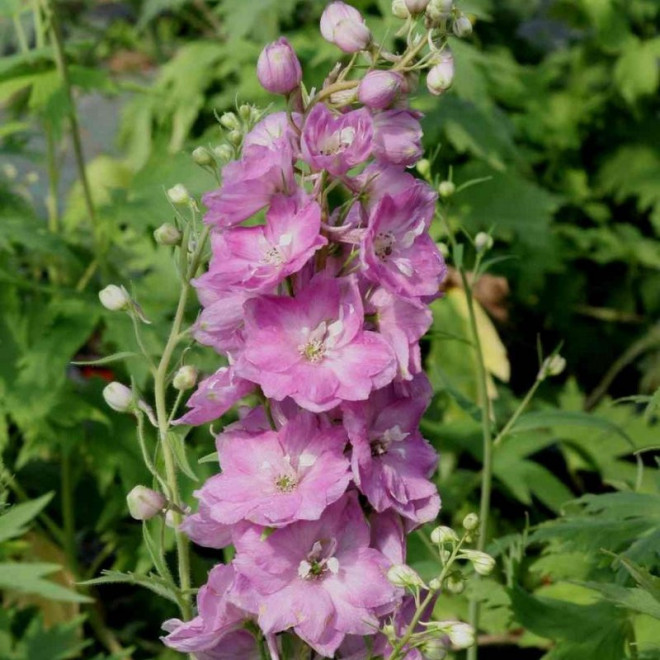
(29, 578)
(636, 71)
(151, 582)
(634, 599)
(14, 522)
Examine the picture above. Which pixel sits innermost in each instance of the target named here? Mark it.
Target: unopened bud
(438, 10)
(178, 194)
(401, 575)
(442, 534)
(461, 635)
(446, 189)
(399, 9)
(388, 630)
(144, 503)
(482, 562)
(462, 26)
(118, 397)
(167, 234)
(423, 166)
(245, 112)
(230, 121)
(552, 366)
(483, 242)
(441, 74)
(344, 26)
(115, 298)
(435, 584)
(224, 153)
(471, 522)
(443, 249)
(455, 584)
(416, 6)
(434, 649)
(185, 378)
(235, 137)
(278, 68)
(202, 156)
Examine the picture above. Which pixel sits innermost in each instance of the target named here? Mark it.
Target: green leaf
(155, 548)
(634, 599)
(115, 357)
(152, 582)
(176, 438)
(28, 578)
(636, 71)
(13, 523)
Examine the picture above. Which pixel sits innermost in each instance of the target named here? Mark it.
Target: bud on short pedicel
(399, 9)
(167, 234)
(416, 6)
(144, 503)
(552, 366)
(455, 584)
(178, 195)
(115, 298)
(461, 635)
(224, 152)
(344, 26)
(446, 189)
(202, 156)
(378, 89)
(443, 534)
(438, 10)
(185, 378)
(482, 562)
(483, 242)
(441, 74)
(462, 26)
(278, 68)
(118, 397)
(471, 522)
(401, 575)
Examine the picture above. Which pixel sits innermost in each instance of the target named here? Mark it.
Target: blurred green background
(555, 104)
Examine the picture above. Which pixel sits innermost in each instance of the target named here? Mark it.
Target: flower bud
(461, 635)
(185, 378)
(202, 156)
(435, 584)
(416, 6)
(278, 68)
(483, 242)
(399, 9)
(441, 75)
(443, 249)
(442, 534)
(455, 584)
(446, 189)
(344, 26)
(482, 562)
(235, 137)
(423, 166)
(471, 522)
(378, 89)
(178, 195)
(245, 112)
(115, 298)
(118, 397)
(462, 26)
(167, 234)
(401, 575)
(230, 121)
(224, 153)
(144, 503)
(389, 631)
(434, 649)
(552, 366)
(438, 10)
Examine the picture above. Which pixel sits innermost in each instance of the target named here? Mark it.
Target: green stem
(20, 33)
(60, 60)
(68, 512)
(519, 411)
(53, 180)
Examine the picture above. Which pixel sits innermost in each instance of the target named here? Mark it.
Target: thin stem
(68, 512)
(519, 410)
(53, 180)
(60, 60)
(20, 33)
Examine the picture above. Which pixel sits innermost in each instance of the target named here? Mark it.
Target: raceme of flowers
(318, 309)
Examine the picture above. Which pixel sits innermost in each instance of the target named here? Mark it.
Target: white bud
(446, 189)
(455, 584)
(438, 10)
(230, 121)
(462, 26)
(443, 249)
(224, 153)
(167, 234)
(442, 534)
(423, 166)
(471, 522)
(461, 635)
(401, 575)
(144, 503)
(552, 366)
(235, 137)
(416, 6)
(483, 563)
(118, 397)
(483, 242)
(178, 195)
(115, 298)
(202, 156)
(434, 649)
(435, 584)
(399, 9)
(185, 378)
(245, 112)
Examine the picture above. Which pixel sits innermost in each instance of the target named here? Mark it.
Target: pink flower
(278, 68)
(403, 323)
(217, 617)
(336, 143)
(441, 75)
(397, 250)
(250, 183)
(391, 461)
(201, 529)
(258, 258)
(378, 89)
(397, 137)
(344, 26)
(272, 130)
(214, 396)
(319, 577)
(275, 478)
(313, 348)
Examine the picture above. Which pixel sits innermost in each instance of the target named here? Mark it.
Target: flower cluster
(318, 305)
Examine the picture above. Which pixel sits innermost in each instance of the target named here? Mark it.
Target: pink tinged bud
(144, 503)
(118, 397)
(416, 6)
(278, 68)
(344, 26)
(378, 89)
(441, 75)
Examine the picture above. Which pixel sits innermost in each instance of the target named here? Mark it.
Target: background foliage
(555, 105)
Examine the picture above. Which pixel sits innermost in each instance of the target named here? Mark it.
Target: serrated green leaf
(13, 523)
(29, 578)
(151, 582)
(176, 440)
(635, 599)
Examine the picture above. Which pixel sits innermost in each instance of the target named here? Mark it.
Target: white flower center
(384, 245)
(381, 444)
(319, 340)
(319, 561)
(338, 141)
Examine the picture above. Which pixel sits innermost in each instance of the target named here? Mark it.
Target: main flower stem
(162, 417)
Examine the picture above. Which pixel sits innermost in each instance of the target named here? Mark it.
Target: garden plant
(353, 353)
